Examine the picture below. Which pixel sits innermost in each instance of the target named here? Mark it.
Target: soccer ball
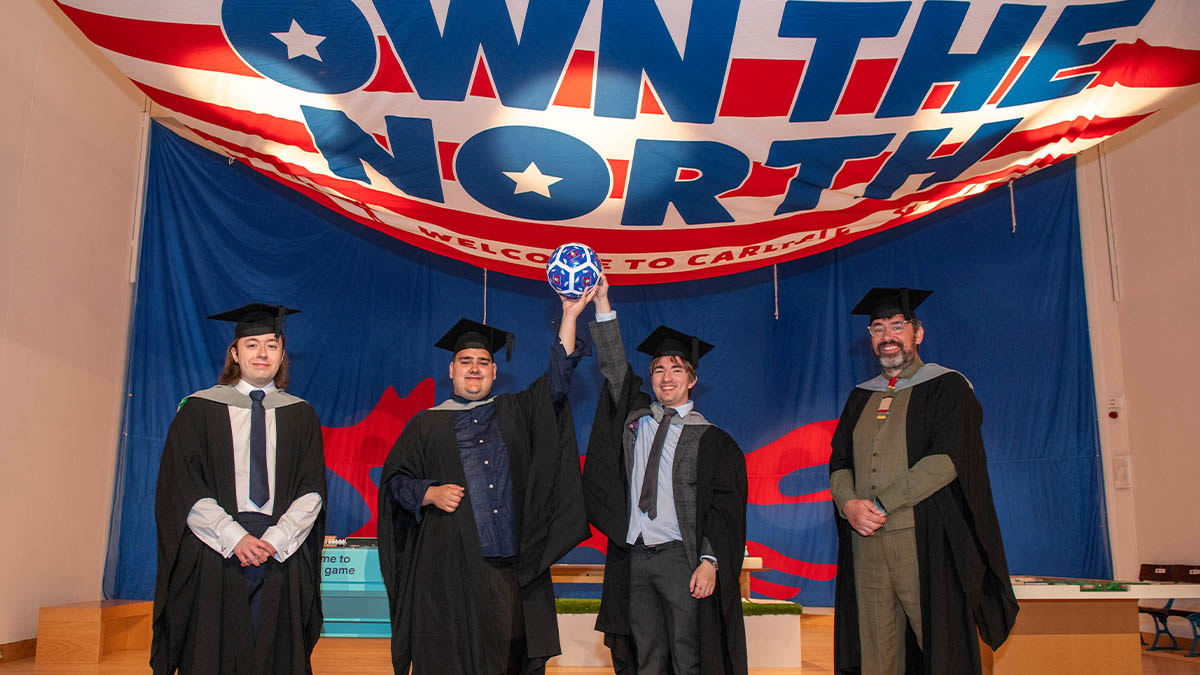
(572, 269)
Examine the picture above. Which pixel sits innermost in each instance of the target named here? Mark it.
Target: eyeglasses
(893, 328)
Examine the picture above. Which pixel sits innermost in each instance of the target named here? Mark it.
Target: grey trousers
(888, 587)
(663, 615)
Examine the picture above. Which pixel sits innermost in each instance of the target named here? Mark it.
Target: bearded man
(921, 567)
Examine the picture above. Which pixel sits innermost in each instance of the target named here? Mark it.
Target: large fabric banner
(1008, 311)
(682, 140)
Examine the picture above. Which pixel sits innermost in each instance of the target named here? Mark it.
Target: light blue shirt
(665, 527)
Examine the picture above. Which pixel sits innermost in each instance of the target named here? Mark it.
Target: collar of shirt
(681, 411)
(245, 387)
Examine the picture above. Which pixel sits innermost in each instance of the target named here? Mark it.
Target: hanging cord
(1110, 225)
(775, 273)
(1012, 205)
(485, 296)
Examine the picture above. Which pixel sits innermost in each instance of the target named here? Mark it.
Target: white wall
(1146, 329)
(70, 137)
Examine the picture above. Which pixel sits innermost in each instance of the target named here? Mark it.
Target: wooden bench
(578, 573)
(1180, 574)
(83, 632)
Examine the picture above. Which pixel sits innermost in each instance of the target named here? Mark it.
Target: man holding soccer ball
(668, 489)
(479, 496)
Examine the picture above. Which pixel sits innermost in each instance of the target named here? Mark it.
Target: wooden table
(582, 573)
(1066, 630)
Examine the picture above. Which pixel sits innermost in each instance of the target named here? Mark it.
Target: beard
(897, 361)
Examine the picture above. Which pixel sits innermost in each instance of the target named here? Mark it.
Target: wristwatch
(710, 560)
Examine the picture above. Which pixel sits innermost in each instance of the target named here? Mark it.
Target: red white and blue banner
(1008, 310)
(681, 139)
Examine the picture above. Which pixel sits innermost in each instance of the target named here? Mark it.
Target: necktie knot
(257, 395)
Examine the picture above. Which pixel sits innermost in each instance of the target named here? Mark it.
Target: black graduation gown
(963, 572)
(201, 611)
(721, 517)
(443, 616)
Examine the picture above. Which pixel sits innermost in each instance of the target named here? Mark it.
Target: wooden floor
(342, 656)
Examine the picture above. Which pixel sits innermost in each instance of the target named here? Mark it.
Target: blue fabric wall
(1008, 311)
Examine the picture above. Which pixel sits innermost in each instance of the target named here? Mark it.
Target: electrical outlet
(1122, 472)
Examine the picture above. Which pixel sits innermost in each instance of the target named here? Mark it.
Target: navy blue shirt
(485, 462)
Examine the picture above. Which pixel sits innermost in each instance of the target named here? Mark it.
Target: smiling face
(894, 341)
(472, 372)
(672, 380)
(258, 357)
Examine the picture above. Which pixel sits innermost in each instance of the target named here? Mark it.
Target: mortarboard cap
(881, 303)
(256, 319)
(666, 341)
(468, 334)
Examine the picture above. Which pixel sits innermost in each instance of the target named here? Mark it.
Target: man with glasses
(921, 566)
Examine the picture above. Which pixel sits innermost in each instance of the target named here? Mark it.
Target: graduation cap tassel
(485, 296)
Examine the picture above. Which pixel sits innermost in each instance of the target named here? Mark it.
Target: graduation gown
(718, 515)
(966, 592)
(443, 616)
(201, 610)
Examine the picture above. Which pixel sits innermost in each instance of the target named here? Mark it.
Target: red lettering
(659, 263)
(510, 253)
(723, 256)
(748, 251)
(466, 243)
(696, 259)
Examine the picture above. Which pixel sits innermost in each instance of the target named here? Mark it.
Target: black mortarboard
(882, 303)
(670, 342)
(471, 334)
(256, 319)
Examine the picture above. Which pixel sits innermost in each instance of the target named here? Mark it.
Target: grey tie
(648, 501)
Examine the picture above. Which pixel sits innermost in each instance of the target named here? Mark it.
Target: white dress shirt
(217, 529)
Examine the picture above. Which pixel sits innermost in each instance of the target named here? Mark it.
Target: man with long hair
(240, 515)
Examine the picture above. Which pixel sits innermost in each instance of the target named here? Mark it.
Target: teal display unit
(352, 594)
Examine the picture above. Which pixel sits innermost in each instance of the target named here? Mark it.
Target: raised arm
(571, 309)
(606, 333)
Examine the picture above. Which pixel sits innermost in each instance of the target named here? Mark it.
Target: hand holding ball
(572, 269)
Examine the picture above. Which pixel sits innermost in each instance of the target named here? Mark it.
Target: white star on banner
(300, 43)
(532, 180)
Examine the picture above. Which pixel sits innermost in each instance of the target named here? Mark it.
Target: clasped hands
(864, 516)
(252, 551)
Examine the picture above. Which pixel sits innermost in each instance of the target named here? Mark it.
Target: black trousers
(505, 589)
(256, 524)
(663, 616)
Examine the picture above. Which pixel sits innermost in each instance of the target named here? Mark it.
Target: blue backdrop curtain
(1008, 311)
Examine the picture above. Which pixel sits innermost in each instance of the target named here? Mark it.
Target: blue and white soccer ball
(572, 269)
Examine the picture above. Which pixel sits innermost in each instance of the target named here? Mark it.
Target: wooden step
(83, 632)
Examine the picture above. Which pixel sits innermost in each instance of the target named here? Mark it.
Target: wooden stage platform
(339, 656)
